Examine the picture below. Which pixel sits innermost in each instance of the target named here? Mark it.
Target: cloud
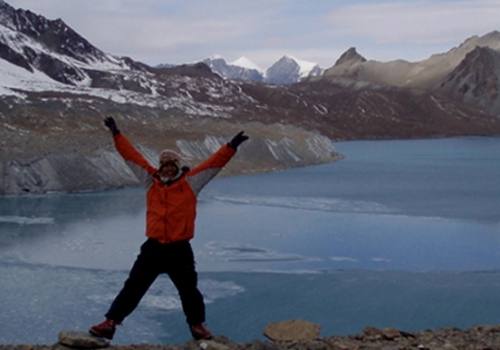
(418, 22)
(180, 31)
(152, 29)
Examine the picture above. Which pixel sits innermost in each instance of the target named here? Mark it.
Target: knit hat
(170, 155)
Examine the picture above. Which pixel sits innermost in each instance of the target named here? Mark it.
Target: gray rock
(372, 333)
(81, 340)
(391, 333)
(212, 345)
(293, 330)
(259, 345)
(217, 343)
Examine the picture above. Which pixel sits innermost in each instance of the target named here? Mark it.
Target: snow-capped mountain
(241, 69)
(288, 70)
(56, 87)
(245, 62)
(34, 43)
(285, 71)
(37, 54)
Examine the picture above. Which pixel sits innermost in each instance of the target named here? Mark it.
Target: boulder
(391, 333)
(292, 331)
(81, 340)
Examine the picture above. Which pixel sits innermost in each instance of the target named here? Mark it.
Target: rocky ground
(304, 335)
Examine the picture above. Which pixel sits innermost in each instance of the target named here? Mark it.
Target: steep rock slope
(476, 79)
(346, 109)
(233, 70)
(289, 70)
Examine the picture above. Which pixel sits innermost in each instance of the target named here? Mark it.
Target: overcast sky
(181, 31)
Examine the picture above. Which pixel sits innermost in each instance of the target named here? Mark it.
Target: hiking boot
(105, 329)
(200, 332)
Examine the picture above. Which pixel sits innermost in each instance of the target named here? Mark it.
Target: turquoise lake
(399, 234)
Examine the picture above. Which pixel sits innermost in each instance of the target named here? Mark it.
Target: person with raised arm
(171, 199)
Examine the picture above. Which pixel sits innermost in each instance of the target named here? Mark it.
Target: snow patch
(320, 109)
(246, 63)
(308, 203)
(343, 259)
(305, 67)
(227, 251)
(23, 220)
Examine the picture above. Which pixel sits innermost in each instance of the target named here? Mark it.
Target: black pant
(177, 260)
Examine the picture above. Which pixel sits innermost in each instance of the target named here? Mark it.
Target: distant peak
(6, 6)
(478, 58)
(491, 35)
(301, 67)
(246, 63)
(287, 58)
(216, 57)
(351, 56)
(482, 50)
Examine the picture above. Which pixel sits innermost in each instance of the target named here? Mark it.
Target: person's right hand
(111, 124)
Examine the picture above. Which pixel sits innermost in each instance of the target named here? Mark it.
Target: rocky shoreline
(305, 336)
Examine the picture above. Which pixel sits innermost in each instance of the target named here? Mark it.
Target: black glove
(111, 124)
(238, 140)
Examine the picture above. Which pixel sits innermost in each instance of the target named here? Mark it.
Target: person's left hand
(238, 140)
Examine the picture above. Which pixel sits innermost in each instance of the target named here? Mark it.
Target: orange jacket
(171, 209)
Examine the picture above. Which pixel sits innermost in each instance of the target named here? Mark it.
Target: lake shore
(478, 337)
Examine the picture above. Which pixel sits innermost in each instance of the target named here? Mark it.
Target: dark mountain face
(229, 71)
(283, 72)
(53, 34)
(476, 80)
(351, 56)
(351, 110)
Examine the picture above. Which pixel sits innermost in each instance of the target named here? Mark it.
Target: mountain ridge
(52, 106)
(424, 74)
